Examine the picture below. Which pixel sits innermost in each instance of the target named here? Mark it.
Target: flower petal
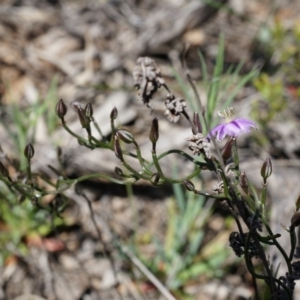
(215, 131)
(244, 124)
(233, 128)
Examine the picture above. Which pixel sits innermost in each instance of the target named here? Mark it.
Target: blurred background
(85, 51)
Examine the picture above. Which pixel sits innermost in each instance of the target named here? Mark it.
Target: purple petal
(233, 129)
(244, 124)
(215, 131)
(222, 132)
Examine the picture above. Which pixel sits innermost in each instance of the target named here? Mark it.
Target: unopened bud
(189, 185)
(29, 151)
(197, 123)
(114, 113)
(117, 149)
(84, 121)
(155, 178)
(227, 151)
(244, 182)
(125, 136)
(295, 221)
(88, 111)
(118, 171)
(61, 109)
(298, 203)
(266, 169)
(154, 132)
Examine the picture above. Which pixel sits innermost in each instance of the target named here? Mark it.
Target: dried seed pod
(147, 78)
(174, 108)
(199, 144)
(29, 151)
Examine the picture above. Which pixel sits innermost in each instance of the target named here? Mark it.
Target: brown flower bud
(298, 203)
(244, 182)
(295, 221)
(197, 123)
(117, 149)
(88, 111)
(61, 109)
(227, 151)
(114, 113)
(84, 121)
(266, 169)
(154, 132)
(125, 136)
(189, 185)
(118, 171)
(29, 151)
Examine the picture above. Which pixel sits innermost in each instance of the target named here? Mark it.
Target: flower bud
(117, 149)
(227, 151)
(298, 203)
(88, 111)
(197, 123)
(154, 132)
(29, 151)
(61, 109)
(295, 221)
(155, 178)
(125, 136)
(84, 121)
(189, 185)
(266, 169)
(114, 113)
(244, 182)
(118, 171)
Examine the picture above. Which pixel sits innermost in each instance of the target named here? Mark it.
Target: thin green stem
(157, 166)
(79, 138)
(182, 153)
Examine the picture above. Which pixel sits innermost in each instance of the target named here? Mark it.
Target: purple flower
(231, 128)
